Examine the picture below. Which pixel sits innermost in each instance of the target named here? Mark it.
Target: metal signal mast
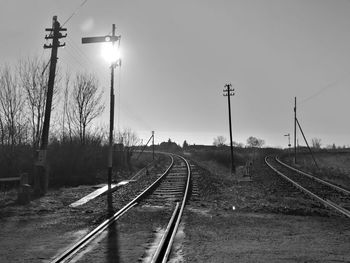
(100, 39)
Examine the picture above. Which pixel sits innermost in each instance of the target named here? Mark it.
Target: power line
(51, 33)
(75, 12)
(47, 64)
(75, 55)
(77, 58)
(72, 57)
(81, 55)
(78, 50)
(328, 86)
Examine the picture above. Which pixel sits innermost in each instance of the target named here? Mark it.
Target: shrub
(221, 156)
(71, 163)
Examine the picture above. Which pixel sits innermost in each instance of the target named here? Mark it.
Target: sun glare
(110, 53)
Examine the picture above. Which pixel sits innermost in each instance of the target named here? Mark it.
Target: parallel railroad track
(329, 195)
(171, 189)
(336, 187)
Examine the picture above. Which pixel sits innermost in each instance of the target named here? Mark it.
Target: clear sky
(178, 55)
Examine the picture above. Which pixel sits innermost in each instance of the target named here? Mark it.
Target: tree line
(76, 145)
(77, 101)
(252, 141)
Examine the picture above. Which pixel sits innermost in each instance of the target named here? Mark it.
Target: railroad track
(171, 190)
(331, 196)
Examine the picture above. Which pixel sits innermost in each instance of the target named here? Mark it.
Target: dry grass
(333, 167)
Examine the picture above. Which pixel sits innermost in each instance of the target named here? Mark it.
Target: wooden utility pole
(113, 38)
(229, 92)
(41, 172)
(153, 145)
(295, 130)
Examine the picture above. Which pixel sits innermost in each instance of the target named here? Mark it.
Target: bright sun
(110, 53)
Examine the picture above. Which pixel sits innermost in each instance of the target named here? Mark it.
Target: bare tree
(129, 139)
(316, 143)
(34, 74)
(2, 132)
(219, 141)
(238, 144)
(185, 145)
(255, 142)
(11, 108)
(66, 114)
(85, 104)
(34, 80)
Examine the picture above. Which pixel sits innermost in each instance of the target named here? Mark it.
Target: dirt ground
(230, 219)
(270, 222)
(47, 226)
(265, 237)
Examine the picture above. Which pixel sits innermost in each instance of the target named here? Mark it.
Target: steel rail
(70, 252)
(164, 247)
(67, 254)
(340, 189)
(168, 250)
(327, 203)
(165, 236)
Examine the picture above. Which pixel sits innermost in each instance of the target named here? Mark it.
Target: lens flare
(110, 52)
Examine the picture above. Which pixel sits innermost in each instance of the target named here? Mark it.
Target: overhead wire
(73, 58)
(74, 12)
(320, 91)
(78, 50)
(83, 60)
(64, 23)
(324, 88)
(77, 56)
(82, 55)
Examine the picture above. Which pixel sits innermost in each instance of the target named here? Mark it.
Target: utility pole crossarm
(52, 37)
(51, 46)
